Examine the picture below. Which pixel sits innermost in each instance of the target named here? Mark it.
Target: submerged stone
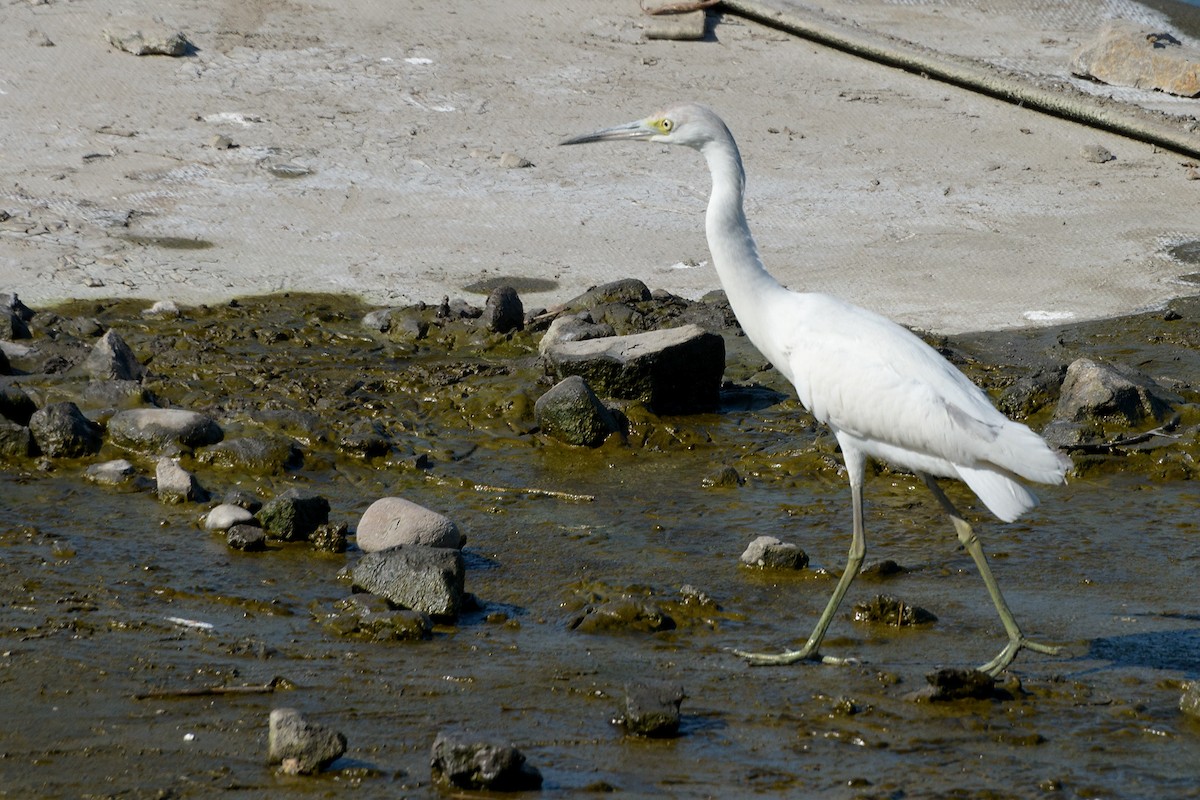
(467, 763)
(572, 413)
(884, 609)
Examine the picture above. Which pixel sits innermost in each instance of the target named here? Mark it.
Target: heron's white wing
(875, 380)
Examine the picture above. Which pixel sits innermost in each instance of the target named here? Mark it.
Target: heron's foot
(791, 657)
(1014, 646)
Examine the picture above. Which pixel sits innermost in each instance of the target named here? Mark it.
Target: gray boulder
(674, 371)
(300, 746)
(767, 552)
(468, 764)
(573, 328)
(151, 429)
(246, 537)
(392, 521)
(626, 290)
(427, 579)
(572, 413)
(60, 430)
(504, 311)
(111, 359)
(1099, 402)
(175, 484)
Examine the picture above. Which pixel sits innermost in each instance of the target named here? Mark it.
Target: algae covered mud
(140, 656)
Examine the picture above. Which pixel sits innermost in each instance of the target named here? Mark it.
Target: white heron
(884, 392)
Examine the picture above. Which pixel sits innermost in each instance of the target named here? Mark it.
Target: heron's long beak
(630, 130)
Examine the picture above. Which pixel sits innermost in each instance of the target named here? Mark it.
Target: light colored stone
(111, 358)
(299, 745)
(175, 484)
(392, 521)
(1127, 54)
(153, 428)
(225, 516)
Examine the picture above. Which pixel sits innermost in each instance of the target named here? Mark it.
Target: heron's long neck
(747, 283)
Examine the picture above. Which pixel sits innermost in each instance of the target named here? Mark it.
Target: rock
(426, 579)
(651, 708)
(725, 476)
(149, 39)
(15, 405)
(175, 484)
(111, 358)
(114, 394)
(1096, 154)
(622, 615)
(60, 430)
(246, 537)
(504, 311)
(674, 371)
(369, 617)
(392, 521)
(5, 365)
(1189, 701)
(365, 439)
(330, 537)
(398, 323)
(767, 552)
(152, 429)
(572, 413)
(514, 161)
(689, 26)
(1094, 392)
(884, 609)
(117, 473)
(12, 304)
(1127, 54)
(225, 516)
(16, 441)
(573, 328)
(1030, 393)
(475, 765)
(242, 498)
(294, 515)
(262, 454)
(301, 746)
(880, 570)
(957, 684)
(626, 290)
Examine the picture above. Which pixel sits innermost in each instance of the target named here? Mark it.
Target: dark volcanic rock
(16, 441)
(61, 430)
(651, 708)
(572, 413)
(884, 609)
(504, 311)
(15, 405)
(626, 290)
(470, 764)
(294, 515)
(426, 579)
(370, 617)
(674, 371)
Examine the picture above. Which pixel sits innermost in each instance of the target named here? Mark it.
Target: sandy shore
(372, 154)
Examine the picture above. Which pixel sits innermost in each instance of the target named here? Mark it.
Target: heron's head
(692, 125)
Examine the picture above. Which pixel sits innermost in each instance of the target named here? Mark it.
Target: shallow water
(1105, 566)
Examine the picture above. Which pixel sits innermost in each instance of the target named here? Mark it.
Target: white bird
(884, 392)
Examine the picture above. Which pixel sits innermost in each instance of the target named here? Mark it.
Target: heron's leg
(858, 551)
(966, 535)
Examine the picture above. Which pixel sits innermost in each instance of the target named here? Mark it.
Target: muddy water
(110, 597)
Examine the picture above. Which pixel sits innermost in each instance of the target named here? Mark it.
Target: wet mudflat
(116, 606)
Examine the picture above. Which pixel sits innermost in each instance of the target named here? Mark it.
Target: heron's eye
(666, 125)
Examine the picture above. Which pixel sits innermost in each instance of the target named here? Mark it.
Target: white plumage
(884, 392)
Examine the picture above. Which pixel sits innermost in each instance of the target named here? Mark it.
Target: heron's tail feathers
(1004, 496)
